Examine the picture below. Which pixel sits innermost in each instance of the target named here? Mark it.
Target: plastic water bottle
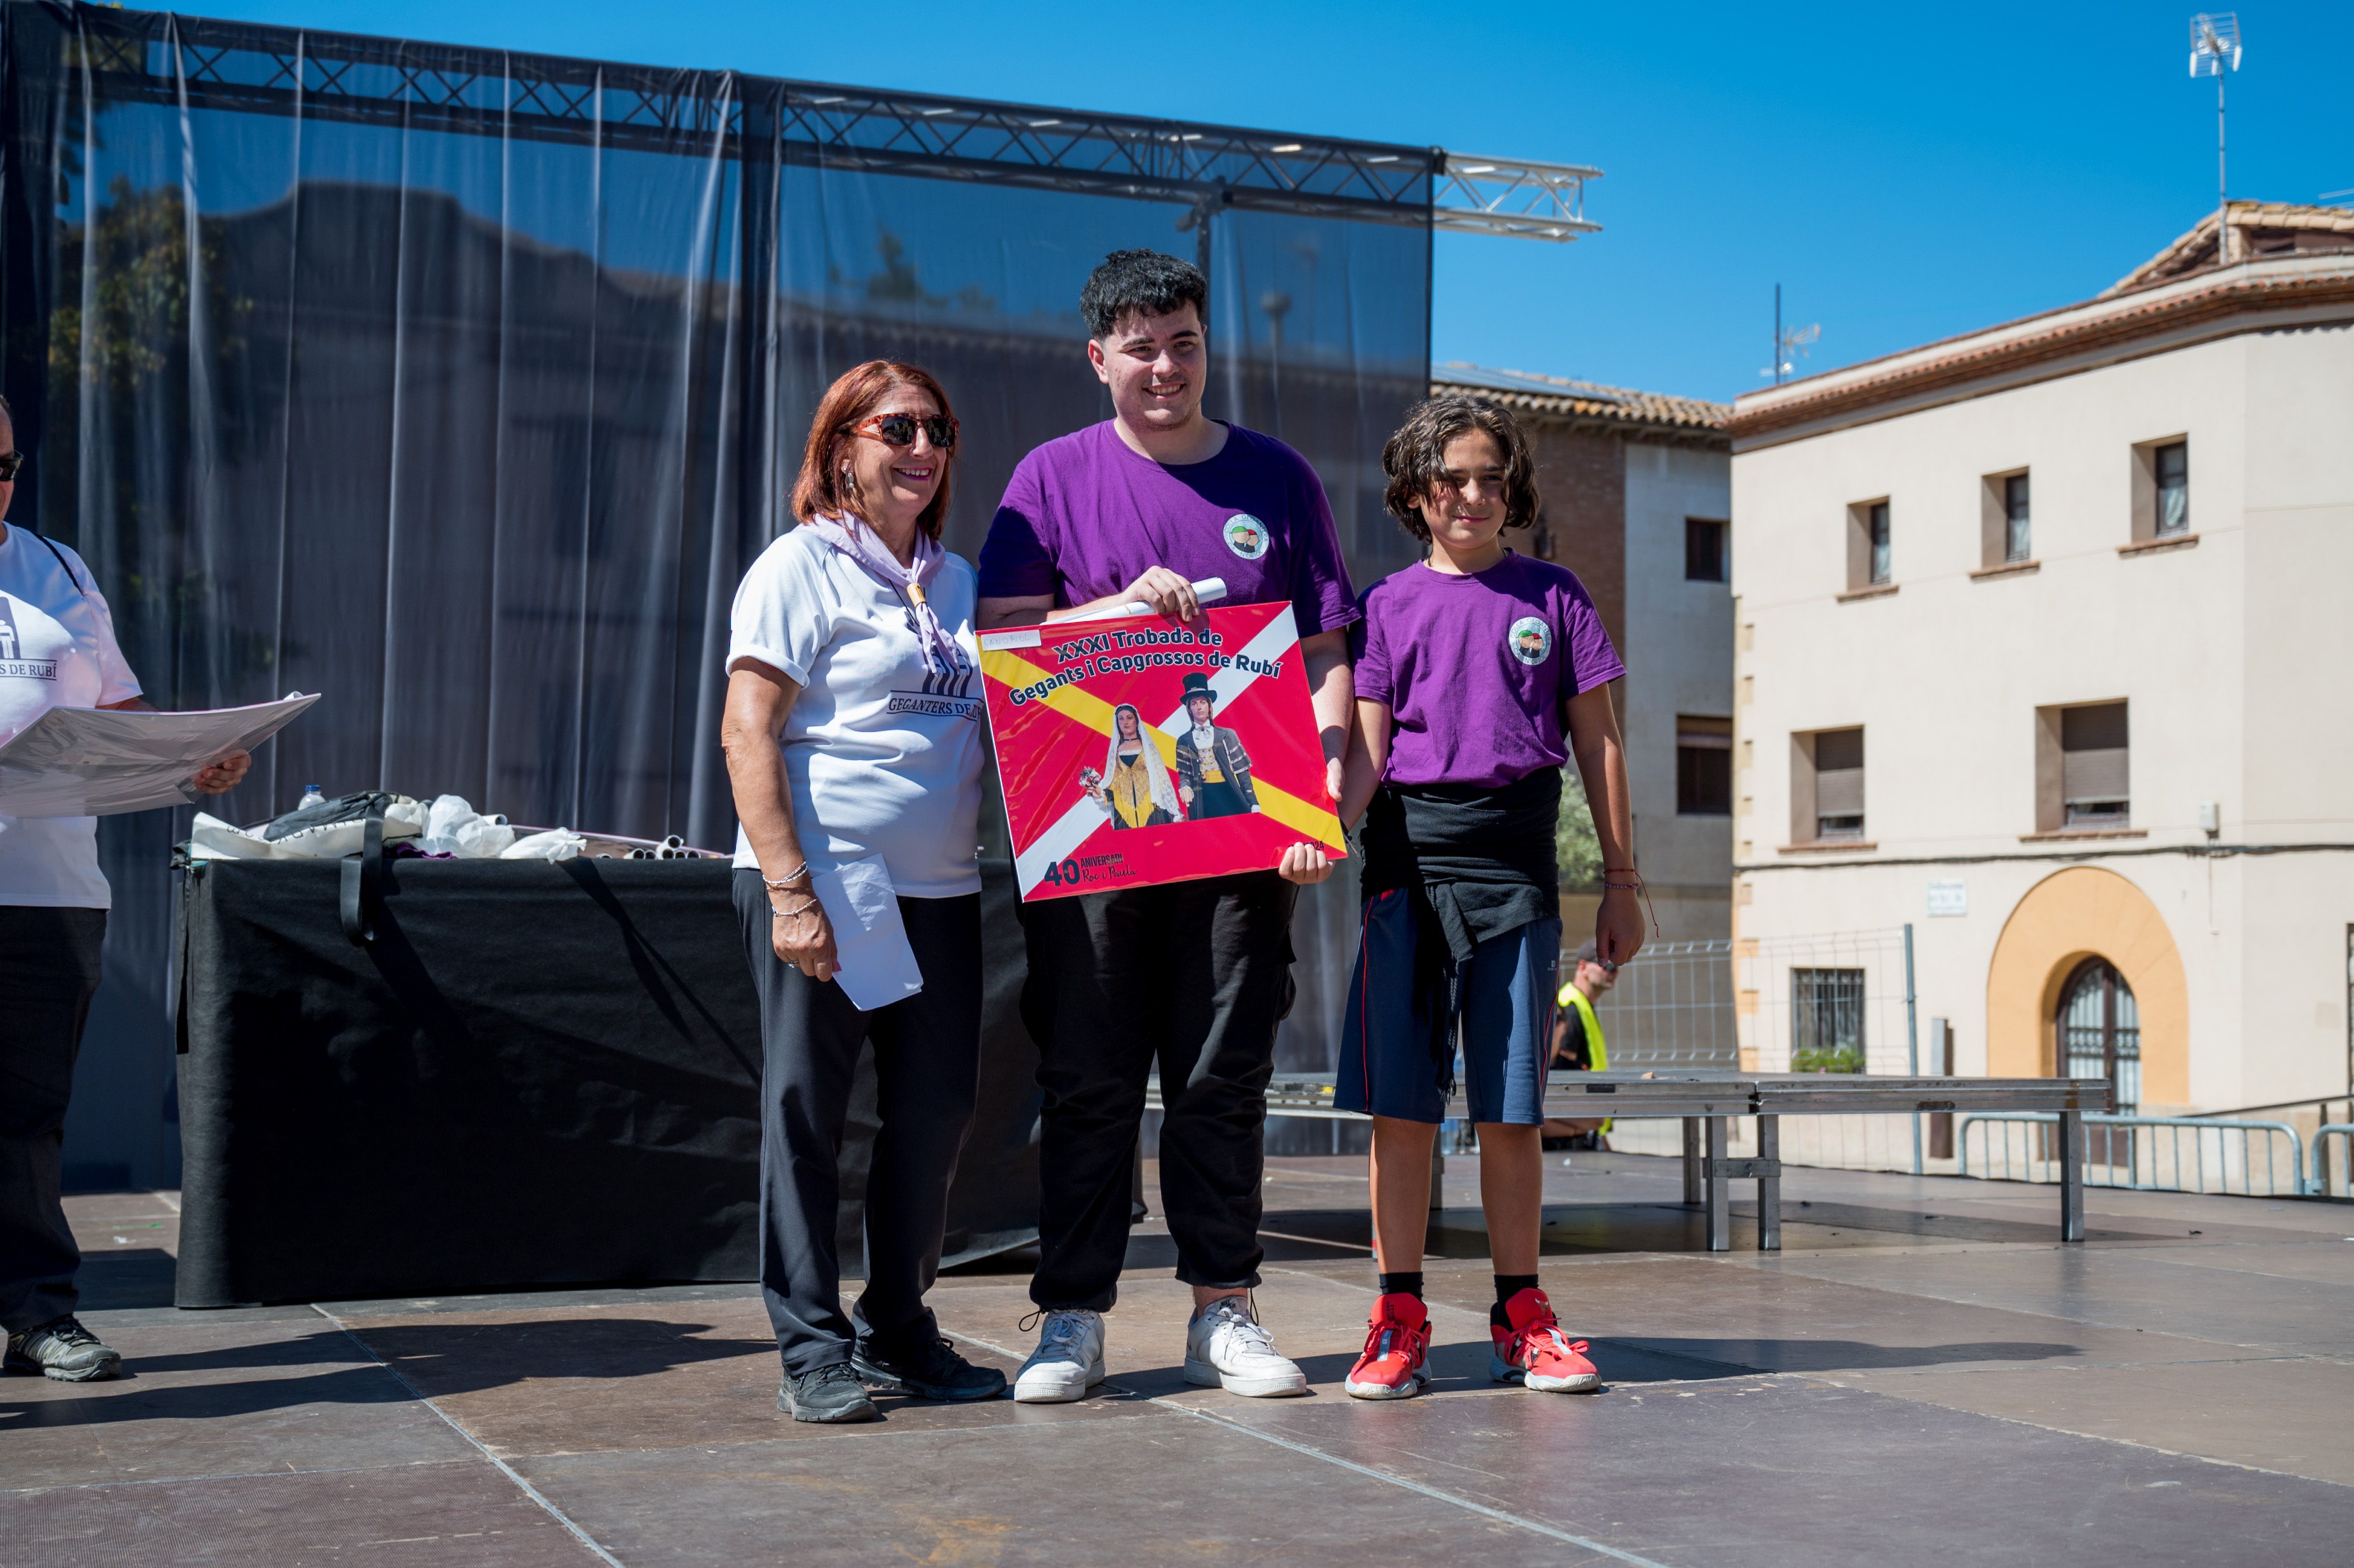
(311, 797)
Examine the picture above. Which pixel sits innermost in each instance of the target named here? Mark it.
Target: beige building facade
(2045, 648)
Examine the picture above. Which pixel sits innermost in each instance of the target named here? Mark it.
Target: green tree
(1575, 850)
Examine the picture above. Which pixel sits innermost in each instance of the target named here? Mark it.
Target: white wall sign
(1949, 898)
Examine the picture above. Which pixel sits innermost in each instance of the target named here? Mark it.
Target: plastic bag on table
(556, 843)
(452, 827)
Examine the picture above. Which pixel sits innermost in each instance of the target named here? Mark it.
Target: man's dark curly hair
(1140, 282)
(1415, 457)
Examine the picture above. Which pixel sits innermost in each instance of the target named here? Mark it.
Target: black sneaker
(62, 1348)
(931, 1371)
(829, 1394)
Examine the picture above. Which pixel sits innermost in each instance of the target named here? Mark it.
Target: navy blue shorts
(1398, 1038)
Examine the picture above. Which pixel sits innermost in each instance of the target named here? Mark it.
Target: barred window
(1826, 1021)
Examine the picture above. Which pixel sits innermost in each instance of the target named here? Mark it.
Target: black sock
(1403, 1285)
(1507, 1287)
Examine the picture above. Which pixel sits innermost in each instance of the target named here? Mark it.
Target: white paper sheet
(877, 967)
(90, 762)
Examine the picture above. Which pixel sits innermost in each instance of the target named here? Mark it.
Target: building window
(2005, 538)
(2173, 489)
(2161, 489)
(1703, 550)
(1703, 767)
(2084, 777)
(1868, 558)
(1827, 786)
(1826, 1021)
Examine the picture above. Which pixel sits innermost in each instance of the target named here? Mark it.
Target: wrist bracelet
(779, 884)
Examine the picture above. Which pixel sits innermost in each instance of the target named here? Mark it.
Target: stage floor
(1922, 1375)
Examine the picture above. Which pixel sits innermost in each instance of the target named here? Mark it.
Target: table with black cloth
(534, 1075)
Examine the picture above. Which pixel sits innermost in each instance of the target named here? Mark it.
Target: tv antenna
(2215, 52)
(1789, 343)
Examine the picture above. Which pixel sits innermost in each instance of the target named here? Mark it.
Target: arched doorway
(2098, 1030)
(2073, 916)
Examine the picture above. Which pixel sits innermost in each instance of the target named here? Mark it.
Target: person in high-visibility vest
(1577, 1044)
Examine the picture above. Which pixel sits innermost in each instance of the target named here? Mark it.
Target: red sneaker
(1396, 1345)
(1533, 1351)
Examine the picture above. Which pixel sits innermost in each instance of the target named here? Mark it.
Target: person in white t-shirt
(853, 731)
(56, 650)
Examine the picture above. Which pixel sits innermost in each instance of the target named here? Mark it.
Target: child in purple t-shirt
(1479, 672)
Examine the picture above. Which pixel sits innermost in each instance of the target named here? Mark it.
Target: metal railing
(2321, 1184)
(2147, 1153)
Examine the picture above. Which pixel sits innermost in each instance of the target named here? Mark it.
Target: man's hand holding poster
(1144, 750)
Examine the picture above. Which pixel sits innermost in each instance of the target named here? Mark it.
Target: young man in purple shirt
(1196, 975)
(1480, 673)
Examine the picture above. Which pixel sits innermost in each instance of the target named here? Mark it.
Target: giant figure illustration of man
(1214, 777)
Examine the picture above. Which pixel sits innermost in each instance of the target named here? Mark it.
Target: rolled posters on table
(1144, 750)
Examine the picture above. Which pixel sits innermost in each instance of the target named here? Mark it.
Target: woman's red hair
(855, 393)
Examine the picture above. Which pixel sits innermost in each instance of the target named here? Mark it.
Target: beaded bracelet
(1635, 886)
(779, 884)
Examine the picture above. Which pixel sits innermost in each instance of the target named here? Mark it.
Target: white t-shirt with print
(883, 756)
(56, 650)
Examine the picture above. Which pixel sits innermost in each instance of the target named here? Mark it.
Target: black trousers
(928, 1073)
(48, 972)
(1193, 975)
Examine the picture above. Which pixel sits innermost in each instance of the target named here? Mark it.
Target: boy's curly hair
(1416, 457)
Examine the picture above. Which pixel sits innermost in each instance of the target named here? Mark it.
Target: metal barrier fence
(1672, 1007)
(2323, 1183)
(2147, 1153)
(1839, 1001)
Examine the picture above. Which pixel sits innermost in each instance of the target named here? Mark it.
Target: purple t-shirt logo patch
(1246, 535)
(1531, 640)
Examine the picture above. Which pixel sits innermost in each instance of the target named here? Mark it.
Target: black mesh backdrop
(460, 386)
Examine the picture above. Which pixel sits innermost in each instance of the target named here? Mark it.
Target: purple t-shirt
(1084, 516)
(1474, 668)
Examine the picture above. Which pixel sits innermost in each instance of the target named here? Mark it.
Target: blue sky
(1903, 172)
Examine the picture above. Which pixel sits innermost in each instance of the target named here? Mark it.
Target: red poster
(1142, 751)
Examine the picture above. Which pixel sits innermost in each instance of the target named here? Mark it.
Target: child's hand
(1618, 927)
(1305, 864)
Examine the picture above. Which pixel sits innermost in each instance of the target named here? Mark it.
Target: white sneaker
(1227, 1348)
(1068, 1362)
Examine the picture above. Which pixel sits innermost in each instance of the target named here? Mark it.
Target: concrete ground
(1922, 1375)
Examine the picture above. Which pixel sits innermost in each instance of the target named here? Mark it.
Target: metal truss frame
(1513, 196)
(198, 63)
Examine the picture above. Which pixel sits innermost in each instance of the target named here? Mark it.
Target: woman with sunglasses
(853, 732)
(56, 650)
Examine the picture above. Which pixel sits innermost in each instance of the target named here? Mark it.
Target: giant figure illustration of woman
(1134, 787)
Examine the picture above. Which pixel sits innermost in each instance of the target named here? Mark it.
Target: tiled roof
(1586, 401)
(2283, 261)
(2258, 229)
